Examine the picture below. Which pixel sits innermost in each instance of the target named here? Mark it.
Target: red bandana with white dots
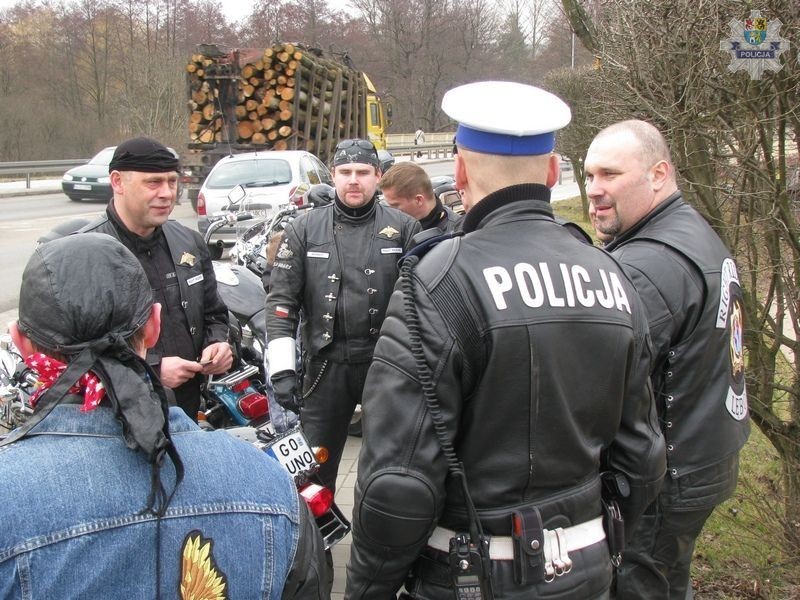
(50, 369)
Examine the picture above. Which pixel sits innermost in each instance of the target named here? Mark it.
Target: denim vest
(72, 523)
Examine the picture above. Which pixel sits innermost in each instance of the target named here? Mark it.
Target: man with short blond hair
(407, 187)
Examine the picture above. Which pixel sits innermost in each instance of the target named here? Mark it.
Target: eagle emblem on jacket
(389, 231)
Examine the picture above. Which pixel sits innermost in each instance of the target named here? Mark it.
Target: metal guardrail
(34, 167)
(28, 168)
(432, 150)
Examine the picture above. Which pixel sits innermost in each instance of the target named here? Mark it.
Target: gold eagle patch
(389, 232)
(201, 579)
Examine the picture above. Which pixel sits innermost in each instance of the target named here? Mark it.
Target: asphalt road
(24, 218)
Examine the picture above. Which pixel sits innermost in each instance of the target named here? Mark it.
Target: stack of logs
(280, 92)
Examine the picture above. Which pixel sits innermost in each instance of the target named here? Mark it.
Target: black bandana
(356, 151)
(145, 155)
(88, 318)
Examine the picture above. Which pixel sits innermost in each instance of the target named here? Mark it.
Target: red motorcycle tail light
(254, 405)
(318, 498)
(241, 386)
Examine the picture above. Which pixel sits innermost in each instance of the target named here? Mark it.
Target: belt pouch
(527, 533)
(614, 527)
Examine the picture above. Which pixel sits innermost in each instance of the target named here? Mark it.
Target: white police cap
(503, 117)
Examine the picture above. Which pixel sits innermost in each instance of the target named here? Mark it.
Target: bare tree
(427, 47)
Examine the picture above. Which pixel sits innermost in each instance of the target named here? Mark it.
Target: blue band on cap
(502, 143)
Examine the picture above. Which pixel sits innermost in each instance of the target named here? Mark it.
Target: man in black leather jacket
(407, 187)
(338, 264)
(194, 336)
(533, 346)
(689, 284)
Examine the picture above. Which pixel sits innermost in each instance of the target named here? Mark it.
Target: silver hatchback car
(271, 179)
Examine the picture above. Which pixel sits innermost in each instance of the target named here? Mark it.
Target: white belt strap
(557, 543)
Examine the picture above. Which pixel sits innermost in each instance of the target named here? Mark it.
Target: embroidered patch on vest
(201, 579)
(284, 251)
(389, 231)
(736, 401)
(187, 259)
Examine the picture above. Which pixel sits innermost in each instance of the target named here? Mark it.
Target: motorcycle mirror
(236, 195)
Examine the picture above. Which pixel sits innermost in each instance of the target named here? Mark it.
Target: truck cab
(379, 115)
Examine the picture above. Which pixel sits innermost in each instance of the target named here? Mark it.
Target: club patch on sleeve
(282, 312)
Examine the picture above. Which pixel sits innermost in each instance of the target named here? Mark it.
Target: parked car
(272, 179)
(92, 180)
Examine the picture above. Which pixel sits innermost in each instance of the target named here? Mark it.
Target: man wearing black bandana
(195, 321)
(107, 492)
(338, 263)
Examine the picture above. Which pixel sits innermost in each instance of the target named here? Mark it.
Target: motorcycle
(297, 457)
(17, 383)
(247, 304)
(444, 188)
(240, 398)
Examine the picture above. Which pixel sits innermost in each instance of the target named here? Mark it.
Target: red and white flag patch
(282, 312)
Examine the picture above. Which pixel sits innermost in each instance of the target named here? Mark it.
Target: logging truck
(286, 97)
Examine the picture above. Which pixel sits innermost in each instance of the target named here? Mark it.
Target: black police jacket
(341, 272)
(691, 291)
(205, 313)
(539, 358)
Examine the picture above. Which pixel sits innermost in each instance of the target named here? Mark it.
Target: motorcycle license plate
(293, 452)
(82, 186)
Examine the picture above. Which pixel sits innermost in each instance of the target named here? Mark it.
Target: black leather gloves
(284, 384)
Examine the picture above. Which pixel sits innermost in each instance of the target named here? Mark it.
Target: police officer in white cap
(509, 388)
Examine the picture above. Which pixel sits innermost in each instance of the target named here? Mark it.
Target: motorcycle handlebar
(216, 222)
(25, 375)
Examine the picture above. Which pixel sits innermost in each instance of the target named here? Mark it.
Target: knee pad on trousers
(397, 507)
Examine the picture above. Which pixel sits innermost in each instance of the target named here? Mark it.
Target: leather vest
(310, 260)
(180, 240)
(699, 385)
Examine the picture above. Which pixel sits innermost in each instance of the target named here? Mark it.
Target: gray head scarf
(83, 296)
